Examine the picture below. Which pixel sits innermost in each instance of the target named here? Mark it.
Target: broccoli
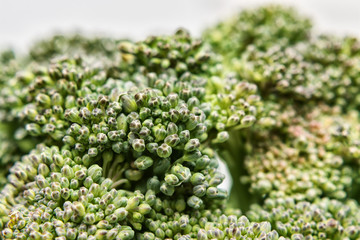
(303, 151)
(115, 139)
(106, 142)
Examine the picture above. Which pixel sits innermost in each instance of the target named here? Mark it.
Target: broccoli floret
(322, 219)
(74, 45)
(16, 73)
(273, 47)
(304, 147)
(306, 158)
(261, 27)
(114, 139)
(106, 141)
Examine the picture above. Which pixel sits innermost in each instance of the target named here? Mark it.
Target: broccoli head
(113, 139)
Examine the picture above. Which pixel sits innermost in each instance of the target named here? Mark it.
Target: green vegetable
(113, 139)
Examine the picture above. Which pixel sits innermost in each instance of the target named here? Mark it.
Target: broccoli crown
(110, 149)
(322, 219)
(114, 139)
(323, 69)
(313, 156)
(262, 27)
(273, 47)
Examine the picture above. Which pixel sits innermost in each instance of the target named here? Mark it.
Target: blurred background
(22, 21)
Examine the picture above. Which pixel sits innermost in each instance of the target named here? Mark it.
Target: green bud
(199, 190)
(58, 160)
(183, 173)
(164, 150)
(29, 195)
(212, 192)
(144, 208)
(68, 140)
(79, 147)
(172, 140)
(128, 103)
(167, 189)
(152, 147)
(192, 145)
(33, 129)
(143, 162)
(101, 138)
(132, 203)
(202, 235)
(78, 209)
(221, 137)
(95, 172)
(247, 121)
(93, 152)
(192, 122)
(160, 233)
(121, 213)
(145, 133)
(171, 179)
(233, 120)
(194, 202)
(138, 145)
(173, 99)
(126, 235)
(133, 175)
(43, 100)
(72, 115)
(197, 178)
(180, 205)
(43, 169)
(184, 136)
(159, 133)
(153, 184)
(172, 128)
(202, 162)
(74, 184)
(67, 172)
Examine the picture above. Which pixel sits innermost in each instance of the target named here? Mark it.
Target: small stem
(119, 182)
(105, 166)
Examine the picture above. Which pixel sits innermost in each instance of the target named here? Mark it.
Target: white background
(24, 21)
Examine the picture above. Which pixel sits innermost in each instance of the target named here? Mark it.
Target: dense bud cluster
(323, 219)
(119, 141)
(52, 194)
(308, 159)
(261, 28)
(275, 48)
(178, 55)
(205, 224)
(302, 155)
(9, 146)
(114, 139)
(323, 69)
(74, 45)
